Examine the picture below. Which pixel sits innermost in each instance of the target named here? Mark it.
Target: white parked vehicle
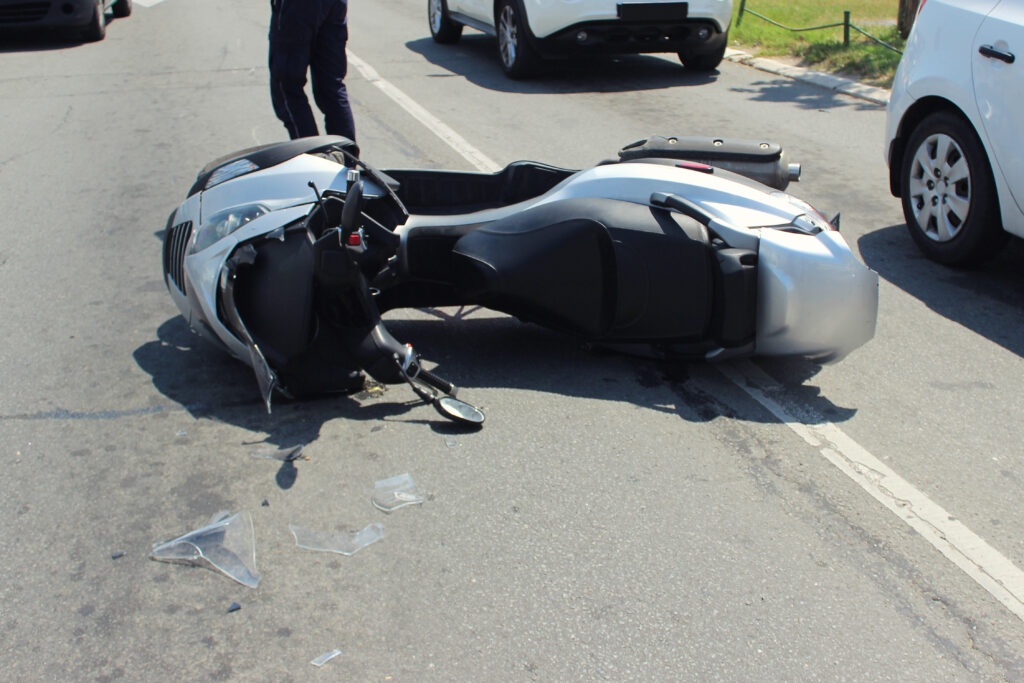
(954, 139)
(531, 30)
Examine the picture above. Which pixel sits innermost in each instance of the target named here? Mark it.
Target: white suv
(954, 137)
(529, 30)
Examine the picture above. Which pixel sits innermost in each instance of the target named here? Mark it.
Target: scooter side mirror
(458, 411)
(353, 207)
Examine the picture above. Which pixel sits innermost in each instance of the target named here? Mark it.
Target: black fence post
(846, 28)
(743, 7)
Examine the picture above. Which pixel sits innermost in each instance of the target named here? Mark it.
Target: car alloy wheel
(508, 37)
(435, 10)
(949, 197)
(442, 28)
(517, 54)
(940, 187)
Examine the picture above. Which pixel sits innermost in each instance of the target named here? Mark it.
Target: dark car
(85, 16)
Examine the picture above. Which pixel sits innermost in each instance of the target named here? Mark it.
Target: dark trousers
(310, 35)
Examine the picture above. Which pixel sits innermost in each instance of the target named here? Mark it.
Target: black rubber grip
(436, 382)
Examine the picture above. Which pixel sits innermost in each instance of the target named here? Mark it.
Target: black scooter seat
(558, 274)
(598, 268)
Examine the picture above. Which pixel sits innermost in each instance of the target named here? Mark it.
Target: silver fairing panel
(815, 299)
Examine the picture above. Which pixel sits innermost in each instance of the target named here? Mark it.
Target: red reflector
(353, 240)
(694, 166)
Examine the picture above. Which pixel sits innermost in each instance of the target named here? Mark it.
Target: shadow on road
(803, 95)
(472, 352)
(503, 352)
(475, 58)
(988, 300)
(208, 383)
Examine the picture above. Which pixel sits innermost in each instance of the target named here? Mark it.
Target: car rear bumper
(27, 14)
(694, 36)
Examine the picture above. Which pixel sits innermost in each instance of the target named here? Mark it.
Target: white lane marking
(980, 561)
(470, 153)
(968, 551)
(147, 3)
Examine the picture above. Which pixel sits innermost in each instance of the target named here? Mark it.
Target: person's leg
(291, 36)
(328, 67)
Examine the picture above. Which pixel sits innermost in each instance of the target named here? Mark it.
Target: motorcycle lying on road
(286, 255)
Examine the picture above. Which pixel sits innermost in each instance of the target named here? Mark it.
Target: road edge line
(989, 568)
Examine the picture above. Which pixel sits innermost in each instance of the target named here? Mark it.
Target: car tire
(517, 56)
(96, 29)
(442, 28)
(948, 194)
(122, 8)
(707, 61)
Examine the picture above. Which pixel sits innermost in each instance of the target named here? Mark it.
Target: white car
(531, 30)
(954, 136)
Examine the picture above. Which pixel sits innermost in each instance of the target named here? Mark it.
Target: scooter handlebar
(436, 382)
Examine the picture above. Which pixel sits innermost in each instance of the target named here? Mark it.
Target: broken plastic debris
(181, 432)
(343, 543)
(265, 377)
(234, 607)
(371, 389)
(117, 555)
(227, 544)
(326, 657)
(285, 454)
(391, 494)
(265, 503)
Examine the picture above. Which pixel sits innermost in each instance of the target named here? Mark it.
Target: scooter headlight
(223, 223)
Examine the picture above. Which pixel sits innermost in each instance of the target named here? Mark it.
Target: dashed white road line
(968, 551)
(433, 124)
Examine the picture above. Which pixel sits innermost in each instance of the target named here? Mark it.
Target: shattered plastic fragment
(117, 556)
(391, 494)
(227, 544)
(234, 607)
(344, 543)
(326, 657)
(265, 503)
(284, 454)
(265, 377)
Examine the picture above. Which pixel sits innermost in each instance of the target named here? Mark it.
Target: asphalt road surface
(615, 519)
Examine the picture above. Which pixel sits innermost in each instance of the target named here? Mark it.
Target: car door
(998, 70)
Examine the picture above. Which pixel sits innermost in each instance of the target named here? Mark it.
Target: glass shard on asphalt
(343, 543)
(227, 544)
(396, 492)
